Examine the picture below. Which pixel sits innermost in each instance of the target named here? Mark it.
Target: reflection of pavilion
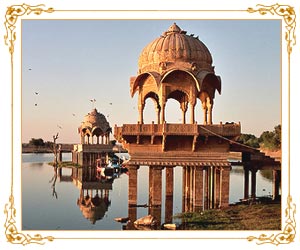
(179, 66)
(93, 200)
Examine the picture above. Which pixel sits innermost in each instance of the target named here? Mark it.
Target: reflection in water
(93, 206)
(53, 181)
(37, 164)
(101, 200)
(94, 189)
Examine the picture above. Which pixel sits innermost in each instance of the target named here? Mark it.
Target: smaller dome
(94, 121)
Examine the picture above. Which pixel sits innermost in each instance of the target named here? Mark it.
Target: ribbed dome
(172, 46)
(94, 119)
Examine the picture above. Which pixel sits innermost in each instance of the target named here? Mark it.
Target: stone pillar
(162, 120)
(156, 185)
(155, 211)
(183, 106)
(206, 188)
(132, 184)
(168, 209)
(217, 188)
(150, 181)
(169, 181)
(90, 173)
(198, 189)
(276, 183)
(225, 173)
(132, 214)
(141, 112)
(246, 182)
(204, 107)
(211, 186)
(209, 111)
(183, 188)
(187, 188)
(253, 183)
(183, 117)
(192, 193)
(192, 113)
(158, 114)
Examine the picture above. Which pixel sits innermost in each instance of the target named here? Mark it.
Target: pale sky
(69, 62)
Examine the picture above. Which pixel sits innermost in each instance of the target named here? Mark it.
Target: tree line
(39, 142)
(268, 139)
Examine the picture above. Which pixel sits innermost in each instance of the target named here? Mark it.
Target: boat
(109, 170)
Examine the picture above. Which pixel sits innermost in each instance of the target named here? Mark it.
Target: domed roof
(93, 120)
(174, 46)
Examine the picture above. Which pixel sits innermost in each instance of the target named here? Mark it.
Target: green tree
(49, 144)
(271, 139)
(277, 131)
(249, 140)
(36, 142)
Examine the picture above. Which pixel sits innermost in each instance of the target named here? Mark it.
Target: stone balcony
(176, 137)
(232, 129)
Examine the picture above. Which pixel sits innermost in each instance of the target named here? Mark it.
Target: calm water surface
(45, 207)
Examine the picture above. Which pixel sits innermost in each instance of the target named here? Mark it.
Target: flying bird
(73, 114)
(93, 100)
(36, 93)
(29, 69)
(110, 103)
(59, 126)
(35, 104)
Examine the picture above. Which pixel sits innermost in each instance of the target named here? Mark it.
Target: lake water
(55, 207)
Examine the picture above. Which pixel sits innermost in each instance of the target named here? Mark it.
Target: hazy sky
(69, 62)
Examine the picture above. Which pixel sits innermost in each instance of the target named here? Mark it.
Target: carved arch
(208, 80)
(174, 71)
(152, 96)
(135, 83)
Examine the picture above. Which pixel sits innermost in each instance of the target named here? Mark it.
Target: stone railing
(92, 147)
(232, 129)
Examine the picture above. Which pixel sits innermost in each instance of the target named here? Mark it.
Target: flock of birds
(59, 126)
(73, 114)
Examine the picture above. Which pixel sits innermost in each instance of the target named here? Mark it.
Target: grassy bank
(265, 216)
(65, 164)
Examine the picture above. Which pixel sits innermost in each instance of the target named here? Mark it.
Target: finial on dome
(174, 28)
